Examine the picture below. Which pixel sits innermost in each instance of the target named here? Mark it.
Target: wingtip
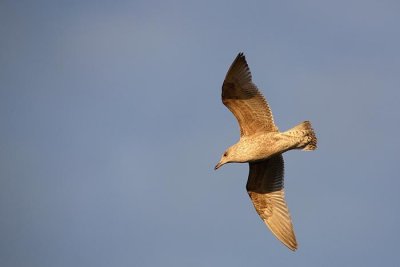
(292, 247)
(239, 69)
(240, 58)
(290, 244)
(241, 54)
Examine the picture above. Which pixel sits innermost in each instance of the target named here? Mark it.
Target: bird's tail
(305, 131)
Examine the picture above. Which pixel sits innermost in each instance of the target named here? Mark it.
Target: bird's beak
(218, 165)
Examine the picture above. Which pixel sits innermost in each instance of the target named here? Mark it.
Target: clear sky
(111, 123)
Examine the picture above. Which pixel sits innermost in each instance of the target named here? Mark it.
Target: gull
(261, 145)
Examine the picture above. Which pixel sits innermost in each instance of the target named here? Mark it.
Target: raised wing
(241, 96)
(265, 188)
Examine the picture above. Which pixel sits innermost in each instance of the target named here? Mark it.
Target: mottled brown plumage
(262, 145)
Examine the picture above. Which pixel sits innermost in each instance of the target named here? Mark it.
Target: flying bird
(261, 144)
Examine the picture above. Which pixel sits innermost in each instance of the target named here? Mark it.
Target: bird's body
(261, 145)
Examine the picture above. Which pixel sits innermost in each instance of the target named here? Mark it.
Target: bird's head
(228, 156)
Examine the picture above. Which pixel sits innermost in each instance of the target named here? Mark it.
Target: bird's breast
(262, 146)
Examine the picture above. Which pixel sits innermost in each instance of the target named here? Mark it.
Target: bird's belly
(268, 145)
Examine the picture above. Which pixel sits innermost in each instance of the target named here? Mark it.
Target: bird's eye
(225, 154)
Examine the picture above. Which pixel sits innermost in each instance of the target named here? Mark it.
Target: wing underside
(265, 188)
(241, 96)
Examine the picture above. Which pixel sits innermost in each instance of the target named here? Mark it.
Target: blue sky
(111, 124)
